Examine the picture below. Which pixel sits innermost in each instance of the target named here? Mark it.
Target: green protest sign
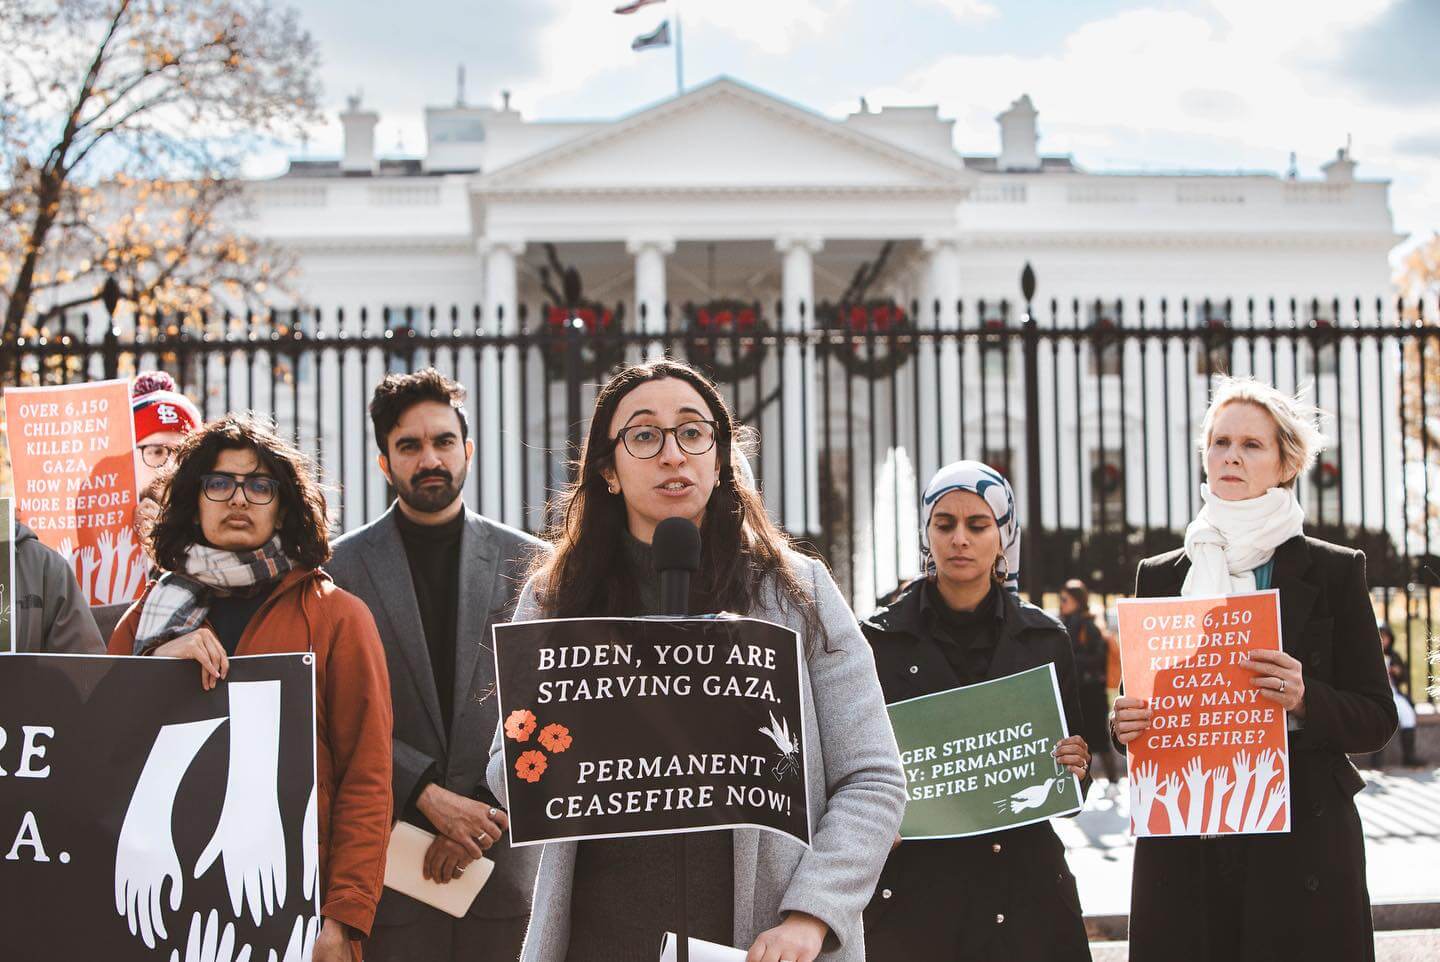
(977, 759)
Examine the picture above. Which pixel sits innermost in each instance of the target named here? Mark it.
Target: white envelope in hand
(701, 951)
(405, 873)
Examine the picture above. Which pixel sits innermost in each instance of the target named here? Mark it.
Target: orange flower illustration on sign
(530, 765)
(555, 738)
(520, 724)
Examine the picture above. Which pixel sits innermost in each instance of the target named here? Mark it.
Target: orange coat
(307, 612)
(1112, 661)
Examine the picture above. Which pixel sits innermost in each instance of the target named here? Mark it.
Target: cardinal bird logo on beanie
(157, 406)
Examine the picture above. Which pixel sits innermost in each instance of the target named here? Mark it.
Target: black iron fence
(1090, 407)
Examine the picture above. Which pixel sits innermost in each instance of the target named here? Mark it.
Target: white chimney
(1341, 170)
(359, 127)
(1018, 140)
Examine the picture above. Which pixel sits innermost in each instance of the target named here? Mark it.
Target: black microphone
(676, 550)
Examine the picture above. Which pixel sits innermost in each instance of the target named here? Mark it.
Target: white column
(798, 447)
(943, 286)
(650, 295)
(501, 433)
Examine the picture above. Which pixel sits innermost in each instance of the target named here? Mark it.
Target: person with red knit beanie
(163, 416)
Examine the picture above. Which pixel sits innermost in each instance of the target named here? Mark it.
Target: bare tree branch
(136, 180)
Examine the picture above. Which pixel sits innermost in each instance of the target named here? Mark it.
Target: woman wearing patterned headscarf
(1004, 895)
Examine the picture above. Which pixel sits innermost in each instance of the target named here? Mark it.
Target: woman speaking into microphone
(661, 445)
(1301, 894)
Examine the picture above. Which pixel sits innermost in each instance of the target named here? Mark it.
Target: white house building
(729, 191)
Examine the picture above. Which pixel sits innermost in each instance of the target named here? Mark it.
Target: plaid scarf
(180, 600)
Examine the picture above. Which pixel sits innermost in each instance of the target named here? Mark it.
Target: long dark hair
(742, 550)
(304, 530)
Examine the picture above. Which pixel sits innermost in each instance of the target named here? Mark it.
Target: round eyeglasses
(156, 455)
(258, 488)
(645, 441)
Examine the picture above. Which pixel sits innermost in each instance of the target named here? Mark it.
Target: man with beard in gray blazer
(436, 576)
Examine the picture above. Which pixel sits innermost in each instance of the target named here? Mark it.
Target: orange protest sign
(72, 455)
(1215, 759)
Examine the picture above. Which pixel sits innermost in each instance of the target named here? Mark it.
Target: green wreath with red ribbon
(725, 337)
(600, 349)
(875, 348)
(1107, 477)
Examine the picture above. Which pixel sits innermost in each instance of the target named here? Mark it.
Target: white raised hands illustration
(1241, 765)
(250, 838)
(1220, 779)
(138, 566)
(120, 570)
(66, 550)
(1196, 778)
(129, 569)
(1032, 797)
(208, 943)
(302, 941)
(104, 581)
(89, 565)
(145, 855)
(1142, 796)
(310, 841)
(1273, 800)
(1265, 768)
(1169, 796)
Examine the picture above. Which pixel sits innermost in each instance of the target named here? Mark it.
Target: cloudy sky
(1121, 84)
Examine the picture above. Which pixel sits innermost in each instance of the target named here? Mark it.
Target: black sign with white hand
(142, 817)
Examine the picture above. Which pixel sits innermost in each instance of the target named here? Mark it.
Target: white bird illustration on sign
(779, 733)
(1032, 797)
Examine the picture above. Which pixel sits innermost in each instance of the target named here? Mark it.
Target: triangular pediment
(725, 136)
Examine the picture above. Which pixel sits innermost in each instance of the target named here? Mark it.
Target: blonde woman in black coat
(1299, 895)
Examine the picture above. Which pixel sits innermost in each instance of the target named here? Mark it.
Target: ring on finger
(1282, 686)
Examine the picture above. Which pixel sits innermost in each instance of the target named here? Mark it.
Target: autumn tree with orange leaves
(123, 124)
(1418, 281)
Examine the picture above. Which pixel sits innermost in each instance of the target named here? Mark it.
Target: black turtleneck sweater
(433, 552)
(623, 895)
(230, 615)
(969, 637)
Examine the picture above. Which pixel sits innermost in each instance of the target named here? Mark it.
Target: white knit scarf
(1228, 540)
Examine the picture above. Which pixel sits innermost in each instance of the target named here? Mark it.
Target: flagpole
(679, 54)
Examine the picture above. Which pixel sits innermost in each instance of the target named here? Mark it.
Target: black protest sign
(142, 817)
(642, 726)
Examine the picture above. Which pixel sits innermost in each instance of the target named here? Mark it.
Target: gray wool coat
(370, 562)
(49, 611)
(857, 793)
